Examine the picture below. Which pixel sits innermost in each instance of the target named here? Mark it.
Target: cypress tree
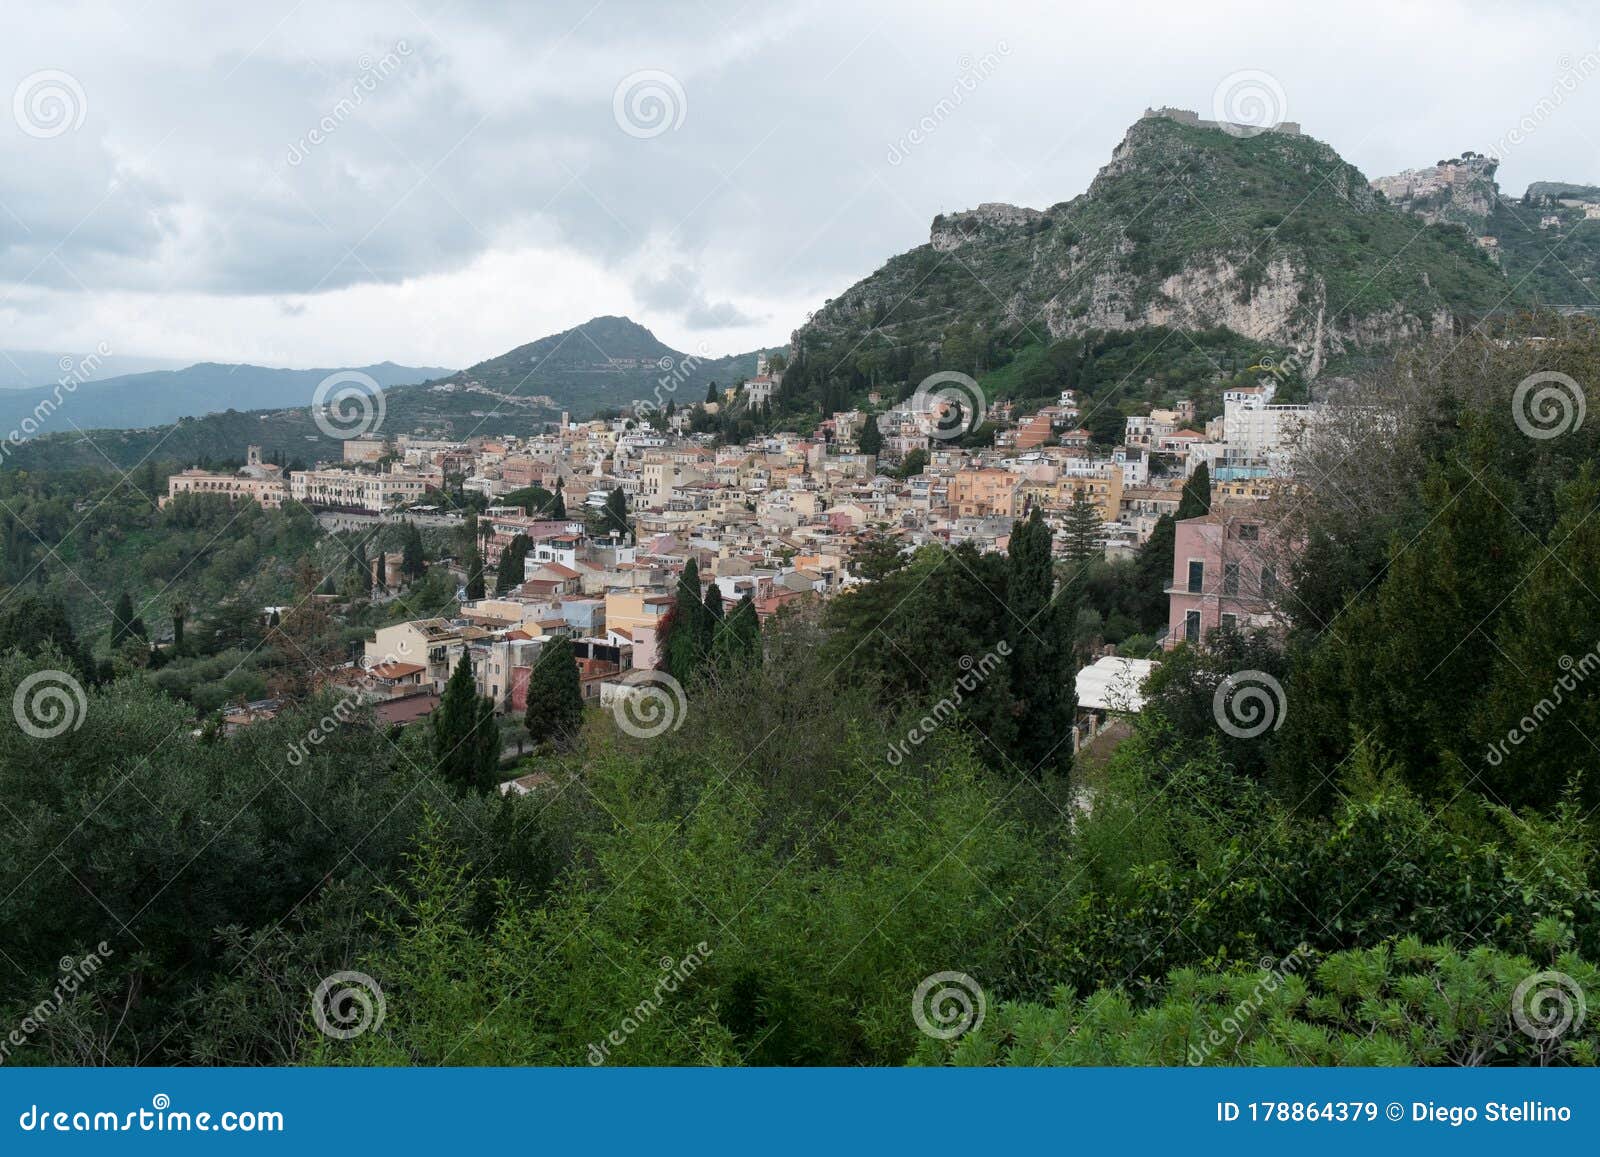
(616, 512)
(1196, 498)
(871, 439)
(1042, 665)
(1153, 566)
(738, 643)
(466, 741)
(691, 627)
(412, 562)
(121, 620)
(509, 572)
(555, 697)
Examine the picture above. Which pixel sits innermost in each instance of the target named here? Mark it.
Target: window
(1250, 532)
(1197, 574)
(1230, 622)
(1191, 626)
(1269, 581)
(1230, 578)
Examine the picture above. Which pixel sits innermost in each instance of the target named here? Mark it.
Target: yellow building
(985, 492)
(1104, 491)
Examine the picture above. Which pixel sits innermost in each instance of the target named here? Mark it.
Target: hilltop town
(781, 519)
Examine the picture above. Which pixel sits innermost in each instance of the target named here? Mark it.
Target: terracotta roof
(406, 709)
(394, 670)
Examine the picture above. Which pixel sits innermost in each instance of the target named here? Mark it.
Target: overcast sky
(331, 183)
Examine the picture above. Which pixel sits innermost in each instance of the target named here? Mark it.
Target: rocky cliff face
(1274, 237)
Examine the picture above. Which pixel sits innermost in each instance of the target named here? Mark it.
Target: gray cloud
(677, 290)
(316, 179)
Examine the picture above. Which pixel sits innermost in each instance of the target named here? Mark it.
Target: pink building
(1225, 573)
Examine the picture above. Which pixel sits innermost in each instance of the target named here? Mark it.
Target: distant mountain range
(162, 396)
(24, 369)
(604, 363)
